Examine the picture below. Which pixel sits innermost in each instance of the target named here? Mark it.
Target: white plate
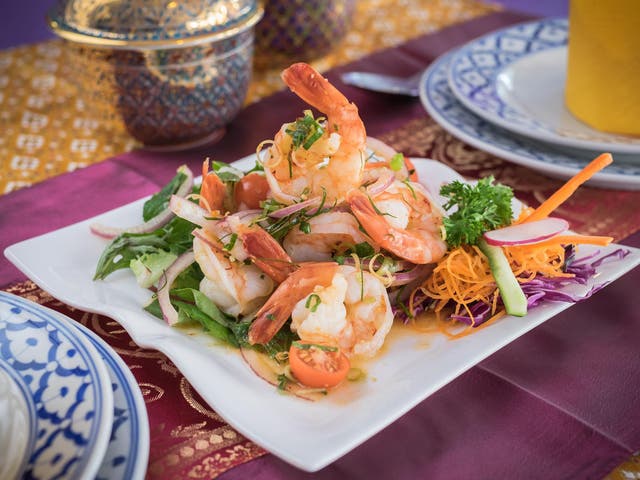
(306, 434)
(444, 108)
(68, 384)
(515, 78)
(128, 451)
(18, 425)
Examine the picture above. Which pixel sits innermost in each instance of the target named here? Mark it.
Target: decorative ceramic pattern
(473, 74)
(300, 30)
(150, 21)
(18, 425)
(169, 96)
(73, 404)
(128, 450)
(443, 106)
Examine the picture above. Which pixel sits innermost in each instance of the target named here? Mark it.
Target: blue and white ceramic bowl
(68, 385)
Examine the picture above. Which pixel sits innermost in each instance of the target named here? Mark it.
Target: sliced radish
(527, 233)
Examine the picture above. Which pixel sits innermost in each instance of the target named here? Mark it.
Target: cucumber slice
(515, 302)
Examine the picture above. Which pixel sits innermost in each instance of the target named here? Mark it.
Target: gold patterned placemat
(47, 128)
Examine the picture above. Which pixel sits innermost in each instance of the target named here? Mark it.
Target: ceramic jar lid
(151, 23)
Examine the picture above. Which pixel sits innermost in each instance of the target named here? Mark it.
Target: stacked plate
(70, 407)
(504, 93)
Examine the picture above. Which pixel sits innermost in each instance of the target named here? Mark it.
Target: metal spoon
(384, 83)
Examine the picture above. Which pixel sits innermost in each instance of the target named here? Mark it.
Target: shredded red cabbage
(537, 290)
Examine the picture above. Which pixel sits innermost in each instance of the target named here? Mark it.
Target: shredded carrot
(413, 174)
(576, 239)
(527, 261)
(463, 276)
(566, 190)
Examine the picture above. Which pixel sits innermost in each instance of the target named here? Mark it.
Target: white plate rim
(510, 147)
(139, 445)
(521, 122)
(314, 445)
(91, 458)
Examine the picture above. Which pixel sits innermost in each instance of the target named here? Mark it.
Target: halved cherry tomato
(251, 190)
(318, 366)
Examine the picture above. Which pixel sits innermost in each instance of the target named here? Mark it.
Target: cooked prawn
(237, 288)
(330, 163)
(329, 233)
(330, 304)
(402, 220)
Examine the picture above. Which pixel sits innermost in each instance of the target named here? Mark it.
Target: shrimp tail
(410, 245)
(308, 84)
(277, 310)
(213, 191)
(267, 254)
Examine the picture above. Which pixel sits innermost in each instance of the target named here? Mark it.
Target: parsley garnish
(480, 208)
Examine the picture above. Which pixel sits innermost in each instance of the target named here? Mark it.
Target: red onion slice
(296, 207)
(153, 224)
(527, 233)
(182, 262)
(192, 212)
(383, 182)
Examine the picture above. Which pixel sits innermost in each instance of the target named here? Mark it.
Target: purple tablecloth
(561, 402)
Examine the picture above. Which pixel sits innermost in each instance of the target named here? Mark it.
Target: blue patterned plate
(444, 108)
(515, 78)
(18, 425)
(68, 386)
(128, 450)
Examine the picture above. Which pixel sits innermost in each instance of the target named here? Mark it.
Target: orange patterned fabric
(48, 128)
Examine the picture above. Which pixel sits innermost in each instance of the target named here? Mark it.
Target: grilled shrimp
(402, 220)
(329, 233)
(331, 304)
(308, 158)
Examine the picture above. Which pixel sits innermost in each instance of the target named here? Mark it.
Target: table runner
(185, 449)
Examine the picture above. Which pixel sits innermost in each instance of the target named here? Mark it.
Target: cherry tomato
(251, 190)
(318, 366)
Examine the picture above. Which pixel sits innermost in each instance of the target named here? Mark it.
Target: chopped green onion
(228, 246)
(313, 302)
(397, 162)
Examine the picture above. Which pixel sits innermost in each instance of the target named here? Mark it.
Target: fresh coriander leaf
(226, 172)
(305, 131)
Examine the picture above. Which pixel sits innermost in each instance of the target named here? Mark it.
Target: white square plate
(309, 435)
